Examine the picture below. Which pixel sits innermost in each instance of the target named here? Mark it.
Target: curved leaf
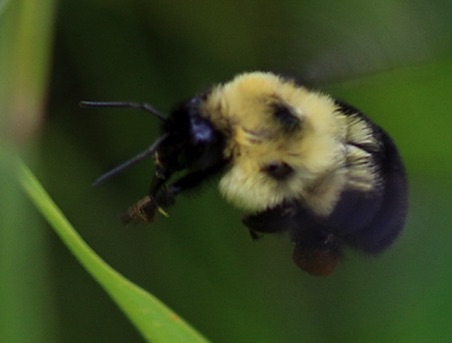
(155, 321)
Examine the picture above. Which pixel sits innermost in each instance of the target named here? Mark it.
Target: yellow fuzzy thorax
(317, 152)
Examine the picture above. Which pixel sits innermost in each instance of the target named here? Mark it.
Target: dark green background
(393, 60)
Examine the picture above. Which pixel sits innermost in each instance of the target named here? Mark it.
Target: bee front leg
(144, 210)
(162, 197)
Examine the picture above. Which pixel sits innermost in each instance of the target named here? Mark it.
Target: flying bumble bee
(294, 160)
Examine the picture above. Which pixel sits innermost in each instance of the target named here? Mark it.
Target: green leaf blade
(154, 320)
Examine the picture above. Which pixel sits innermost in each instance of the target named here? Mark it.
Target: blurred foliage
(393, 60)
(27, 311)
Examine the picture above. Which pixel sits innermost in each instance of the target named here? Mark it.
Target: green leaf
(155, 321)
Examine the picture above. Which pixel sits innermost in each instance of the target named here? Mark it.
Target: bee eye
(278, 170)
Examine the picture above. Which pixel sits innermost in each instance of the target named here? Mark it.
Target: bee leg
(278, 219)
(316, 253)
(144, 210)
(165, 196)
(254, 234)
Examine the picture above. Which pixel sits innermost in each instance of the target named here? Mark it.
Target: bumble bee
(294, 160)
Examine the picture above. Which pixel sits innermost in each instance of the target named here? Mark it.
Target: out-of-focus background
(393, 60)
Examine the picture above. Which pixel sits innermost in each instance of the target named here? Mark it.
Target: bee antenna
(134, 160)
(124, 104)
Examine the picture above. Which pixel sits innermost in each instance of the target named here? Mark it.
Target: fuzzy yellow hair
(323, 163)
